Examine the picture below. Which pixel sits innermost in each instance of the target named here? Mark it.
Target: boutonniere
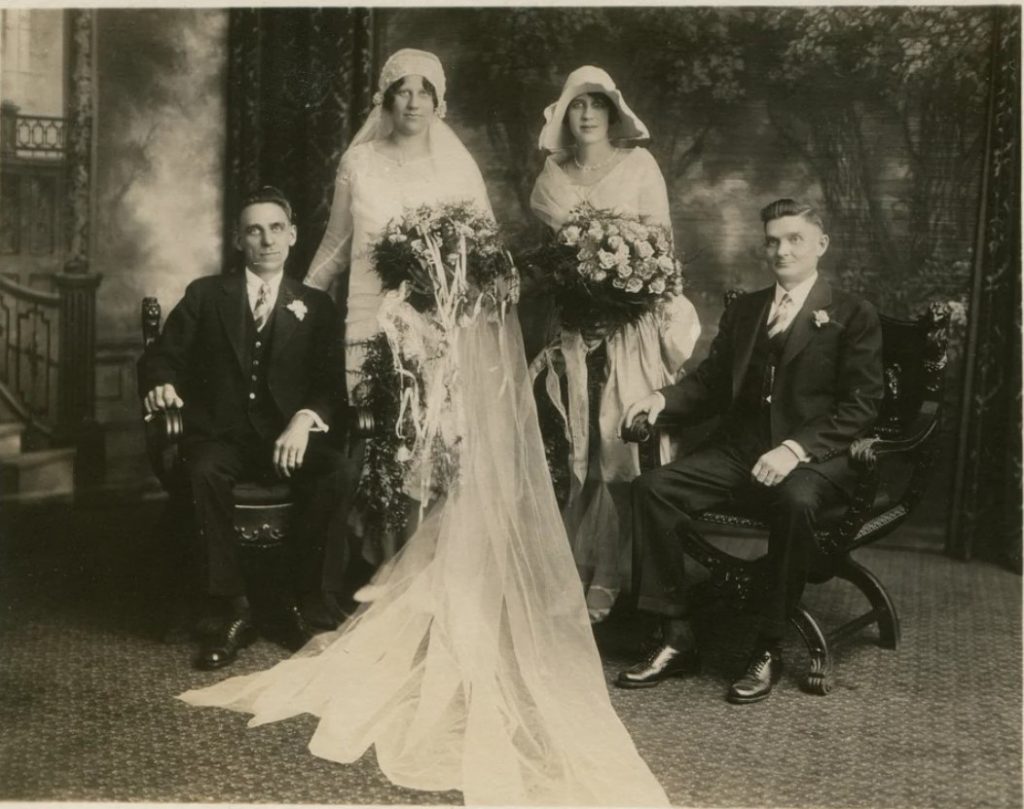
(821, 318)
(297, 308)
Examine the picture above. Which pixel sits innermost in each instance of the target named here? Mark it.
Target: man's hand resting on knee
(290, 447)
(773, 467)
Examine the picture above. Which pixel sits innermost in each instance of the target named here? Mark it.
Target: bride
(404, 156)
(474, 667)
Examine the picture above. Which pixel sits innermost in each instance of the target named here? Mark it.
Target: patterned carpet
(87, 711)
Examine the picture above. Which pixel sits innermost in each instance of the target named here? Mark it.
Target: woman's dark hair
(389, 95)
(613, 111)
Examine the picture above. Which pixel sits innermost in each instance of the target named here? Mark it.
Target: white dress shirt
(253, 285)
(798, 295)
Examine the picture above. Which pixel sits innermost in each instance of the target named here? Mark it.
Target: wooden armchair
(262, 514)
(894, 464)
(262, 510)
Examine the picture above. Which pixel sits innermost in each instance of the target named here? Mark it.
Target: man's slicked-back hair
(267, 193)
(790, 207)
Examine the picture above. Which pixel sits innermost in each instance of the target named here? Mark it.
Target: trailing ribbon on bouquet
(571, 348)
(443, 268)
(425, 367)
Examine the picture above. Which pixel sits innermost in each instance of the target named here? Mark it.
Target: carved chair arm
(641, 431)
(163, 432)
(866, 452)
(364, 423)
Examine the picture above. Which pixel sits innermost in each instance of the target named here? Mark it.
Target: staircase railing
(30, 326)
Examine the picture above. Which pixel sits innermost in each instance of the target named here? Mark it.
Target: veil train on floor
(475, 668)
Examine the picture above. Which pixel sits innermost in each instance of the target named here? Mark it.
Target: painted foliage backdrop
(878, 115)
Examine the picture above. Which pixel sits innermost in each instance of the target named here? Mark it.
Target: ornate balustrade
(39, 134)
(31, 136)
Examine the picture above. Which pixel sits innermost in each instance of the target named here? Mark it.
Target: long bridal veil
(475, 668)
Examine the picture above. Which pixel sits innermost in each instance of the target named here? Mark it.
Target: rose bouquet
(607, 269)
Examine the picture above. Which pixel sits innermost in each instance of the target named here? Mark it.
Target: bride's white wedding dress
(475, 668)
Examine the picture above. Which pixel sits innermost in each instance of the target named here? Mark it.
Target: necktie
(780, 322)
(261, 310)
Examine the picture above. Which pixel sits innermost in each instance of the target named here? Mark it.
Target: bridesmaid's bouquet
(607, 269)
(448, 259)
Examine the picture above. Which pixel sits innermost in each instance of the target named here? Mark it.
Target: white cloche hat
(589, 79)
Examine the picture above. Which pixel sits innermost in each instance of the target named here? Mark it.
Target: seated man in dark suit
(795, 372)
(254, 360)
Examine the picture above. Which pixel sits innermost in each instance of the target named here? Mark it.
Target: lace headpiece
(412, 62)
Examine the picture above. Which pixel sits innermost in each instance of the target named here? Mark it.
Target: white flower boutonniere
(821, 318)
(297, 308)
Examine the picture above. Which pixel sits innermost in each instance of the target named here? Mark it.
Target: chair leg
(883, 611)
(819, 677)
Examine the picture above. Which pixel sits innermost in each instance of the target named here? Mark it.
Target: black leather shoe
(763, 671)
(295, 630)
(660, 664)
(222, 648)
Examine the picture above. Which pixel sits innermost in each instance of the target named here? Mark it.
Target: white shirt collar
(253, 282)
(797, 294)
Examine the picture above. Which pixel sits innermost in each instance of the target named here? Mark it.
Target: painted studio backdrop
(900, 123)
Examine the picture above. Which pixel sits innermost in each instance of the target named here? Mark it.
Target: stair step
(38, 474)
(10, 437)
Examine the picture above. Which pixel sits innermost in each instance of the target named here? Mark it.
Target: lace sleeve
(334, 254)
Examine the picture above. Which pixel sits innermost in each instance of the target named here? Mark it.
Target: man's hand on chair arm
(650, 405)
(162, 397)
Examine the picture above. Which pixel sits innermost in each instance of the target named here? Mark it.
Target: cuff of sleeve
(797, 450)
(319, 425)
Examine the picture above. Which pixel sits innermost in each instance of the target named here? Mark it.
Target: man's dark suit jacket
(203, 352)
(828, 382)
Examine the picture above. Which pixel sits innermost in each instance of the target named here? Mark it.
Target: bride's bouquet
(607, 269)
(448, 259)
(442, 267)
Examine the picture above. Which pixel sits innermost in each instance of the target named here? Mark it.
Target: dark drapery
(986, 514)
(299, 86)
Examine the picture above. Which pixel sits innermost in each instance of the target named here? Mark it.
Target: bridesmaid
(592, 136)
